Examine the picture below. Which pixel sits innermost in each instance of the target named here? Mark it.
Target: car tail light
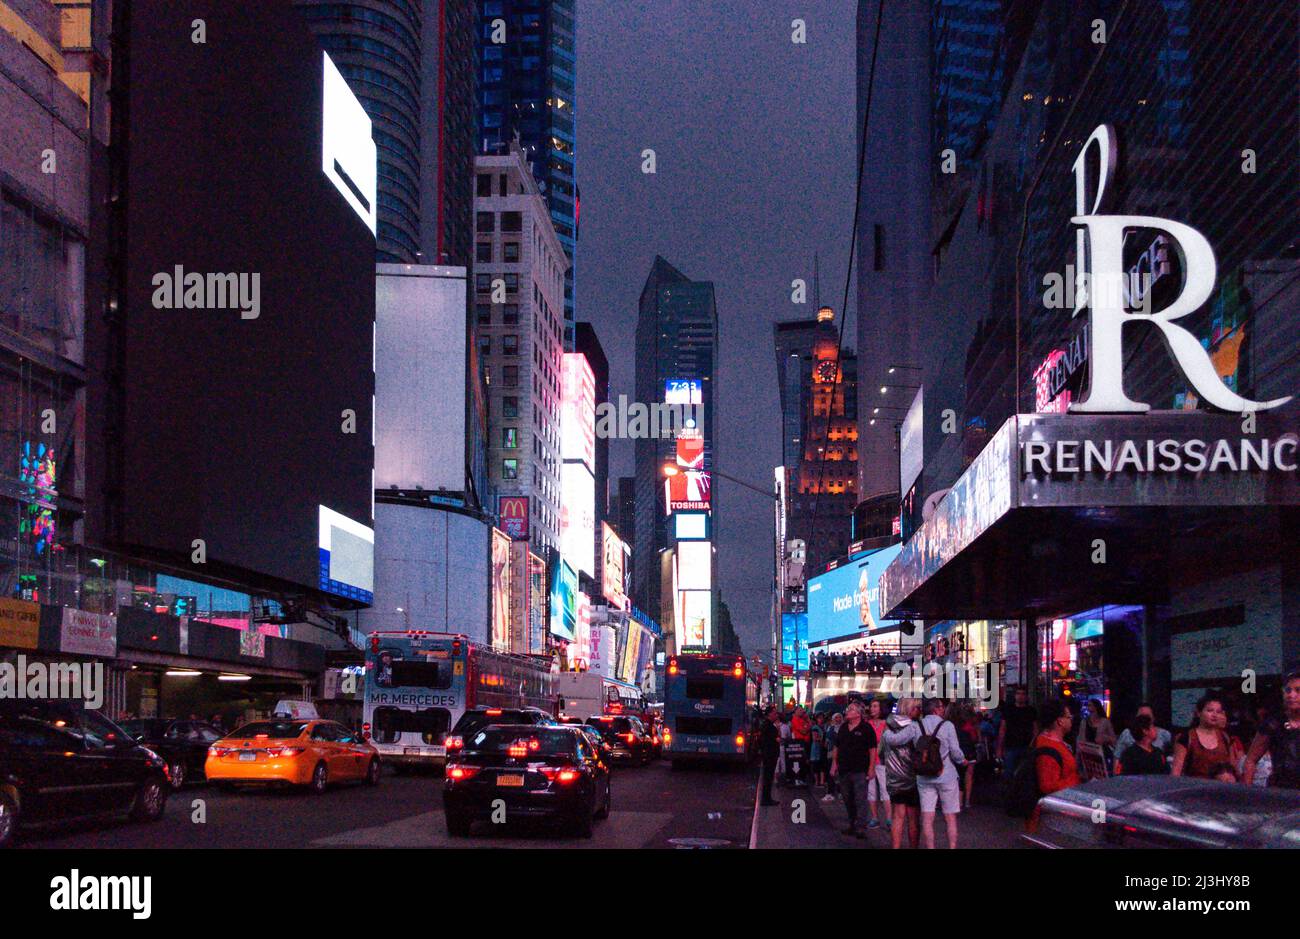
(672, 666)
(283, 751)
(454, 742)
(461, 772)
(493, 712)
(739, 670)
(668, 736)
(559, 774)
(630, 738)
(215, 751)
(365, 731)
(654, 739)
(740, 740)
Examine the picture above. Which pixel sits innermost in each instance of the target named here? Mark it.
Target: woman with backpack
(900, 776)
(1206, 751)
(938, 757)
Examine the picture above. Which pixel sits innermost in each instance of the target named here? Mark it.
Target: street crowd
(898, 763)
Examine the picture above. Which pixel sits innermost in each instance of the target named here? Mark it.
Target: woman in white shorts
(943, 791)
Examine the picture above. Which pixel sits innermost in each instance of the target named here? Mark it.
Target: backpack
(1022, 792)
(928, 758)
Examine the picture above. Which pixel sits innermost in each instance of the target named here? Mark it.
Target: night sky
(756, 147)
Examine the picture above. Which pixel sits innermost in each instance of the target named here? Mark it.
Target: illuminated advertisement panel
(687, 491)
(537, 597)
(683, 391)
(691, 526)
(500, 590)
(846, 601)
(696, 619)
(578, 517)
(513, 512)
(695, 565)
(564, 602)
(613, 569)
(690, 450)
(578, 416)
(631, 657)
(794, 640)
(520, 601)
(580, 650)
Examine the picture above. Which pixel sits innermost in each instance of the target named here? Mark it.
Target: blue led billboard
(845, 602)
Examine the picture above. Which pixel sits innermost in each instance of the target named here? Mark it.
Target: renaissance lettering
(1071, 457)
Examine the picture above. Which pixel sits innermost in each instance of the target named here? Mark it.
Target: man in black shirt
(852, 761)
(769, 746)
(1016, 731)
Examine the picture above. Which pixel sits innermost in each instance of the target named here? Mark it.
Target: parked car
(476, 719)
(292, 752)
(183, 744)
(60, 761)
(595, 736)
(626, 736)
(538, 771)
(1167, 812)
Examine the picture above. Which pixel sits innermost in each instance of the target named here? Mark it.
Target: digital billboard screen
(500, 590)
(846, 601)
(578, 517)
(564, 602)
(613, 568)
(578, 419)
(231, 396)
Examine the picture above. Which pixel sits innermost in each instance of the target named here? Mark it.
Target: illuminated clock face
(826, 371)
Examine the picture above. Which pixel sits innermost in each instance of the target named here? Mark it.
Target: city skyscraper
(588, 344)
(527, 90)
(676, 361)
(819, 434)
(412, 65)
(519, 291)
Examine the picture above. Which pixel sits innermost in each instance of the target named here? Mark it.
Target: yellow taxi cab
(284, 751)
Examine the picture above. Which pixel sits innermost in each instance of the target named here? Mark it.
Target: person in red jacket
(1056, 721)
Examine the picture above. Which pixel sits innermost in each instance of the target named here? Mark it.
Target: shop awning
(1062, 512)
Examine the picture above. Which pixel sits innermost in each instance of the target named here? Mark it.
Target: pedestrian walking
(939, 755)
(852, 760)
(900, 773)
(877, 790)
(1143, 757)
(1205, 751)
(1054, 770)
(1016, 731)
(1278, 739)
(819, 756)
(832, 731)
(769, 748)
(1164, 740)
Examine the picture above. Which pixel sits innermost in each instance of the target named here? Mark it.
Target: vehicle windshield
(612, 725)
(276, 730)
(531, 743)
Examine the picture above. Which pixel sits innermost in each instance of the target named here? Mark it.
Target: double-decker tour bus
(418, 684)
(707, 706)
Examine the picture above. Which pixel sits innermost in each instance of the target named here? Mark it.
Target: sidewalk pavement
(803, 820)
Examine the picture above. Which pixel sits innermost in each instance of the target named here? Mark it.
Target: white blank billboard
(420, 377)
(695, 565)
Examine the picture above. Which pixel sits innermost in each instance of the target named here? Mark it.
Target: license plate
(517, 781)
(247, 757)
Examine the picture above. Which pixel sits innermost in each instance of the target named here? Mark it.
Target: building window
(503, 182)
(512, 282)
(510, 438)
(512, 221)
(484, 311)
(510, 469)
(510, 314)
(511, 251)
(485, 346)
(483, 283)
(510, 376)
(510, 344)
(483, 252)
(484, 185)
(485, 221)
(509, 407)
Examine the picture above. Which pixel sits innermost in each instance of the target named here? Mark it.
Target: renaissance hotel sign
(1108, 465)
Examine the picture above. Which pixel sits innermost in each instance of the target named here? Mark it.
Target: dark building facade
(1159, 580)
(412, 65)
(527, 89)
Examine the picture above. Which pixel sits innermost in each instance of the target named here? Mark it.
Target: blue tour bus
(707, 705)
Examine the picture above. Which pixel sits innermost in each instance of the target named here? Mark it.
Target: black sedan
(183, 744)
(1167, 812)
(526, 772)
(60, 761)
(626, 737)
